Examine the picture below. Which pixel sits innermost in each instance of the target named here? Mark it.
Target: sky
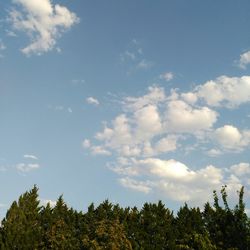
(131, 101)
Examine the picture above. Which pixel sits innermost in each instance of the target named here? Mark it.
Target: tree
(21, 227)
(107, 234)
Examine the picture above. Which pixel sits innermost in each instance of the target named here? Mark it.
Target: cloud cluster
(42, 21)
(145, 137)
(175, 180)
(225, 91)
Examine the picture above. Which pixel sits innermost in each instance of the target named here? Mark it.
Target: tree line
(28, 225)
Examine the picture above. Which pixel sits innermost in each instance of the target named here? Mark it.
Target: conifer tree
(21, 227)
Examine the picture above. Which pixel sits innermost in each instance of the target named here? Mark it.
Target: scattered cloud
(144, 64)
(167, 76)
(134, 57)
(27, 167)
(153, 129)
(42, 21)
(92, 100)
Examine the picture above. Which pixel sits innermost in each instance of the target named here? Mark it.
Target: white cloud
(183, 118)
(190, 98)
(154, 96)
(231, 138)
(214, 152)
(33, 157)
(92, 100)
(241, 169)
(99, 150)
(23, 167)
(135, 185)
(225, 91)
(174, 180)
(166, 144)
(244, 60)
(43, 22)
(155, 127)
(168, 76)
(148, 122)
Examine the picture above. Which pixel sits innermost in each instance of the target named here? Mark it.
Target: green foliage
(28, 225)
(21, 228)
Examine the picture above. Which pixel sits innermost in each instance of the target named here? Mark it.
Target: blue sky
(133, 101)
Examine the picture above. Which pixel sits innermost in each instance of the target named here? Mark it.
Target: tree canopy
(28, 225)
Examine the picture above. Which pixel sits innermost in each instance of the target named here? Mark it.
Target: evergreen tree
(61, 233)
(21, 227)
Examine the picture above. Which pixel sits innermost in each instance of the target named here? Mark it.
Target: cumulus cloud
(152, 129)
(231, 138)
(177, 181)
(154, 96)
(241, 169)
(42, 21)
(225, 91)
(181, 117)
(92, 100)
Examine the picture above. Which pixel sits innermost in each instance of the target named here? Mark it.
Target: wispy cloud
(42, 21)
(244, 60)
(28, 156)
(167, 76)
(134, 57)
(92, 100)
(27, 167)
